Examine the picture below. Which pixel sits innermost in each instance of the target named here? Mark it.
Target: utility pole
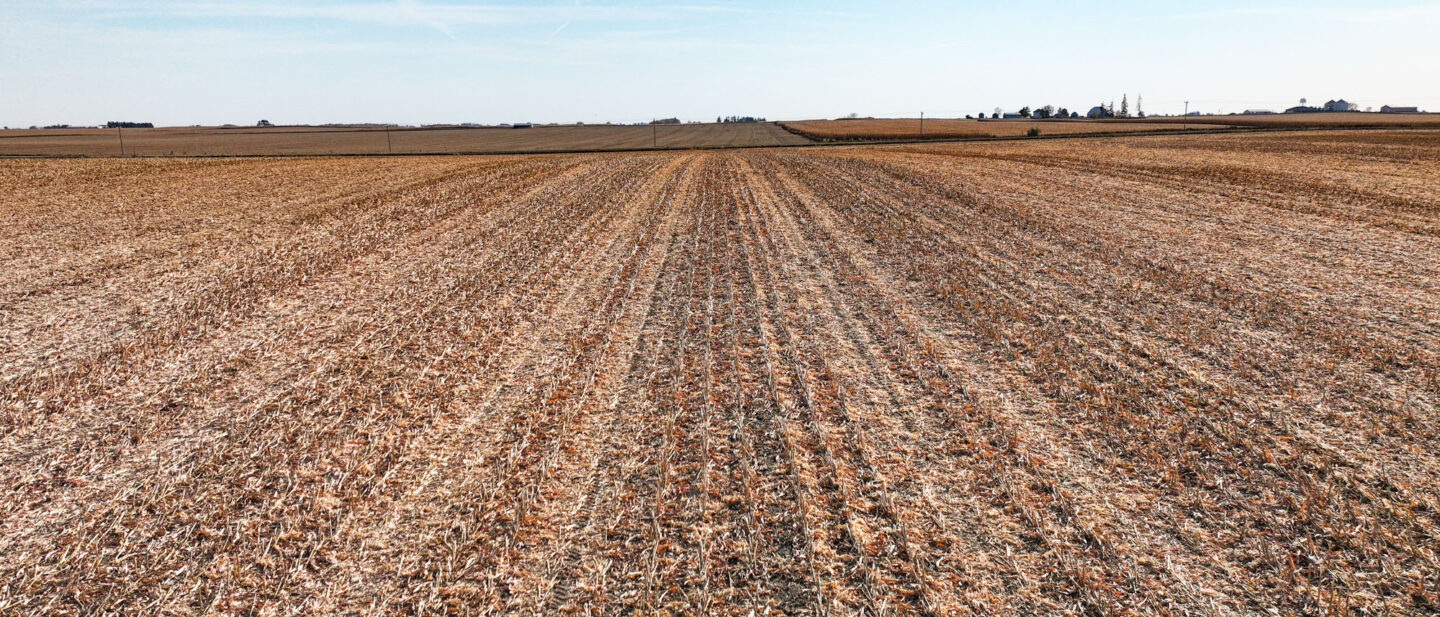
(387, 142)
(922, 125)
(121, 135)
(654, 135)
(1185, 122)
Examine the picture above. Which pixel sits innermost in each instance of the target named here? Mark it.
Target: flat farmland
(201, 141)
(881, 129)
(1164, 375)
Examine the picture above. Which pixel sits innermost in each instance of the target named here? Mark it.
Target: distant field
(954, 128)
(1321, 120)
(869, 129)
(203, 141)
(318, 140)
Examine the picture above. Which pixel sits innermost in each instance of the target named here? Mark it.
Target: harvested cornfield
(1137, 376)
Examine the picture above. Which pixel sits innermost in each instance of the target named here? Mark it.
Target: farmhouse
(1340, 105)
(1389, 109)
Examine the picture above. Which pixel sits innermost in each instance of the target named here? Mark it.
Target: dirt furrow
(995, 434)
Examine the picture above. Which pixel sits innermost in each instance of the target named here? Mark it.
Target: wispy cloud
(1355, 14)
(419, 13)
(440, 15)
(170, 27)
(563, 26)
(443, 15)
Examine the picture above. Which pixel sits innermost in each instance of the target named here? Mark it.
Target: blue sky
(426, 61)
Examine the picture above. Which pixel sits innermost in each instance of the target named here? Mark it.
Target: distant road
(202, 141)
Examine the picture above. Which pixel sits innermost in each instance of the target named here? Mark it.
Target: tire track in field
(405, 503)
(1077, 539)
(624, 576)
(893, 581)
(530, 404)
(565, 577)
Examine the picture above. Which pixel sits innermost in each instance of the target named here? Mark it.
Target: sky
(175, 62)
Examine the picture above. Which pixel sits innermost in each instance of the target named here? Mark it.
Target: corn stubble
(1148, 376)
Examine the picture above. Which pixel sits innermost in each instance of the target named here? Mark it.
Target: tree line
(1103, 110)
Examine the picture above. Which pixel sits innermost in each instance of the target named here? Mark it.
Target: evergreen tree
(1124, 106)
(1139, 110)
